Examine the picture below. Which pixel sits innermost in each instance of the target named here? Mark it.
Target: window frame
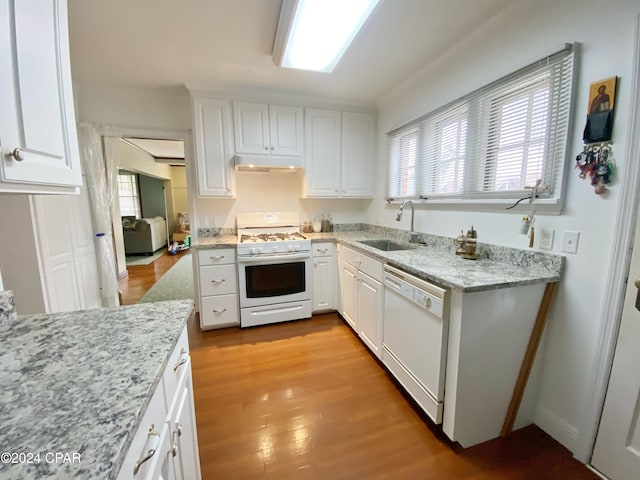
(558, 71)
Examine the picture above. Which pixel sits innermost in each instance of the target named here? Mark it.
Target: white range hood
(268, 164)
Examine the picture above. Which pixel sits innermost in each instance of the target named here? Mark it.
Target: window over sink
(487, 146)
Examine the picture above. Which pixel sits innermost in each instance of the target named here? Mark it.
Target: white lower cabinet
(165, 446)
(324, 274)
(362, 296)
(218, 288)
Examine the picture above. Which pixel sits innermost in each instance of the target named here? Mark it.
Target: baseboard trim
(560, 430)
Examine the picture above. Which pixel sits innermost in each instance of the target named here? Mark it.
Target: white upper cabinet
(358, 136)
(38, 138)
(262, 129)
(339, 153)
(322, 152)
(214, 153)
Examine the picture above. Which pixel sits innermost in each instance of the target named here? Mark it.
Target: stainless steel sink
(385, 245)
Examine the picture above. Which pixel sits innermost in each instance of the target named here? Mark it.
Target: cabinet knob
(273, 148)
(17, 154)
(266, 148)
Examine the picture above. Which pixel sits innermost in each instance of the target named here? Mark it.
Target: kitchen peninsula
(77, 386)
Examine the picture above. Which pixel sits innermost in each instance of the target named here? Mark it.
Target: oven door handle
(266, 258)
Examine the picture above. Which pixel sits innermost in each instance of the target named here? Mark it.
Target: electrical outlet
(546, 238)
(570, 242)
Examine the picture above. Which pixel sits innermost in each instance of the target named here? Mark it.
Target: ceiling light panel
(314, 34)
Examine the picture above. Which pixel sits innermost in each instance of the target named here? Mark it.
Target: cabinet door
(324, 281)
(370, 305)
(251, 122)
(184, 438)
(322, 153)
(37, 115)
(285, 127)
(358, 137)
(214, 158)
(349, 284)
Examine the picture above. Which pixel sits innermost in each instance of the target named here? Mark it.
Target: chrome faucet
(399, 217)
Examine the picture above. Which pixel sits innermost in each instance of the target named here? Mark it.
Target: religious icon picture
(602, 95)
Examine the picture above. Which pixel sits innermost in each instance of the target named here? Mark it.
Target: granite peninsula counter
(77, 383)
(498, 267)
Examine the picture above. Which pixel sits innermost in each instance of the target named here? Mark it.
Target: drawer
(219, 310)
(146, 437)
(323, 249)
(363, 262)
(177, 365)
(218, 280)
(217, 256)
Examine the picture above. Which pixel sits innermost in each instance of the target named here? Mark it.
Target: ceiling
(227, 44)
(162, 151)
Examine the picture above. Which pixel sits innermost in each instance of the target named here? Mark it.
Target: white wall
(260, 192)
(521, 33)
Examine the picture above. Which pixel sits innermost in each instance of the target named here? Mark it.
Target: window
(492, 143)
(129, 195)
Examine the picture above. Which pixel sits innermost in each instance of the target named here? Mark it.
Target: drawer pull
(217, 281)
(182, 361)
(177, 433)
(322, 250)
(220, 310)
(153, 446)
(214, 258)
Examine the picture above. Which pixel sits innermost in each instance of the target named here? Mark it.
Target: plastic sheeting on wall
(98, 169)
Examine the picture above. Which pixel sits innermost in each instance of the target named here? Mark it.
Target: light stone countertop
(497, 267)
(79, 383)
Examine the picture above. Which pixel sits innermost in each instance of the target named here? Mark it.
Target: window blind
(491, 143)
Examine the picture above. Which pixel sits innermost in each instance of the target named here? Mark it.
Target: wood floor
(142, 277)
(306, 400)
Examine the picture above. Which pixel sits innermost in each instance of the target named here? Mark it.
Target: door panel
(617, 449)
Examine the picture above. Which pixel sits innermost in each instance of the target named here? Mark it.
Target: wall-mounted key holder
(596, 159)
(596, 162)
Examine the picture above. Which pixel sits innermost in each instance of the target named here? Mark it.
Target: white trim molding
(555, 426)
(617, 276)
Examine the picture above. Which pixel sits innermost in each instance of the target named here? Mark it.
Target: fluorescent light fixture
(314, 34)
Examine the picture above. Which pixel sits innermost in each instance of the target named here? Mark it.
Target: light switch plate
(546, 238)
(570, 242)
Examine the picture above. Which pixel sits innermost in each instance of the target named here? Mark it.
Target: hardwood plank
(306, 400)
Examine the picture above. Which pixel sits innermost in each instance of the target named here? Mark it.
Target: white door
(617, 449)
(349, 283)
(358, 137)
(212, 131)
(322, 152)
(370, 312)
(323, 284)
(37, 115)
(251, 128)
(285, 127)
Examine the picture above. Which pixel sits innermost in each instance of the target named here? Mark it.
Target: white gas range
(274, 268)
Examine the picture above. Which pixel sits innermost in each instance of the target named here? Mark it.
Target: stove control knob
(275, 249)
(290, 248)
(296, 248)
(259, 250)
(252, 251)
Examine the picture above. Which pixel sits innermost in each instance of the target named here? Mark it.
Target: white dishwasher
(414, 344)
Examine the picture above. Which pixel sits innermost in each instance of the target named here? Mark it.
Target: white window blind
(490, 143)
